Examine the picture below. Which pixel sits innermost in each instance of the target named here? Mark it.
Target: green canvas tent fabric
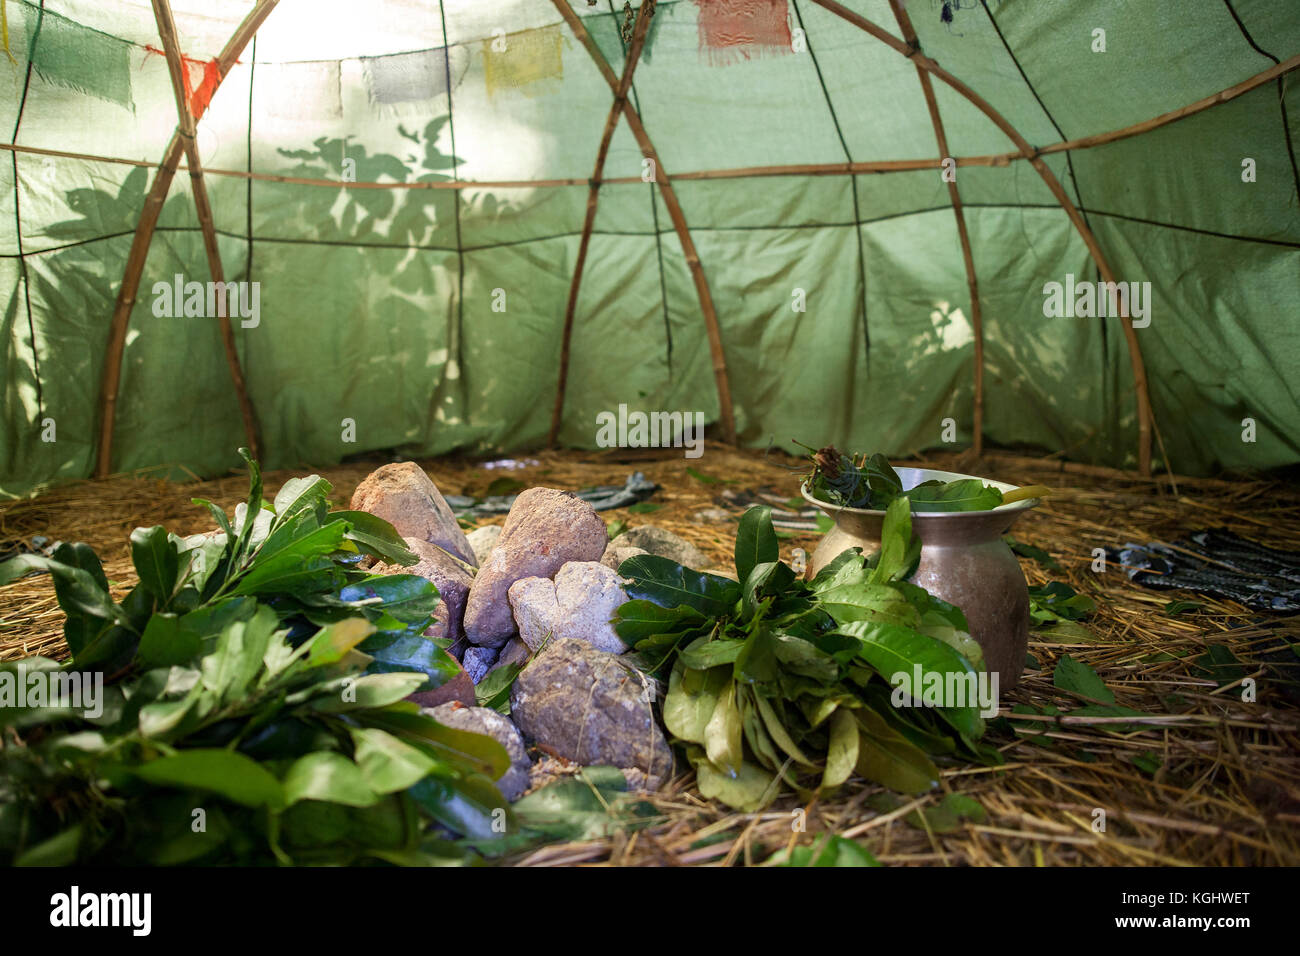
(429, 320)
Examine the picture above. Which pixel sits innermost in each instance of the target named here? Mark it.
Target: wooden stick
(913, 53)
(740, 172)
(639, 33)
(1173, 116)
(203, 206)
(977, 323)
(140, 247)
(669, 195)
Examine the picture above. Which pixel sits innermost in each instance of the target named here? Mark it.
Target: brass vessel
(964, 561)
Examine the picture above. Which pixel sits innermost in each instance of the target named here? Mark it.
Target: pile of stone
(538, 591)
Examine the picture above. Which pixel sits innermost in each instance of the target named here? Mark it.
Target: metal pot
(964, 561)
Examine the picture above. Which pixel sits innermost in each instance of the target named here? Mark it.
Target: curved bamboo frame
(144, 230)
(968, 258)
(182, 144)
(639, 32)
(913, 52)
(712, 330)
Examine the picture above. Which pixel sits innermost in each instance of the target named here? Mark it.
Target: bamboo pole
(913, 53)
(203, 206)
(726, 412)
(968, 258)
(140, 246)
(739, 172)
(639, 33)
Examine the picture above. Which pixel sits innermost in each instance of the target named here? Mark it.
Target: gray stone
(544, 530)
(664, 543)
(514, 652)
(591, 707)
(579, 604)
(483, 540)
(617, 553)
(714, 515)
(481, 720)
(451, 579)
(478, 661)
(403, 495)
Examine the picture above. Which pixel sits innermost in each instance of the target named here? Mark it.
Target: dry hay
(1227, 787)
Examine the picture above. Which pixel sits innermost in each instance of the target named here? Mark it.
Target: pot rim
(1014, 508)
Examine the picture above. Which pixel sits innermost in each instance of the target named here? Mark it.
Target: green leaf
(300, 494)
(328, 776)
(1149, 763)
(157, 561)
(829, 850)
(253, 507)
(691, 700)
(294, 557)
(165, 642)
(1057, 601)
(889, 759)
(370, 690)
(1175, 608)
(85, 601)
(643, 508)
(705, 652)
(722, 734)
(948, 815)
(895, 651)
(223, 772)
(668, 584)
(636, 620)
(895, 544)
(963, 494)
(1077, 677)
(1219, 664)
(493, 691)
(780, 735)
(1029, 551)
(749, 789)
(708, 479)
(331, 643)
(376, 537)
(842, 753)
(386, 763)
(59, 850)
(756, 541)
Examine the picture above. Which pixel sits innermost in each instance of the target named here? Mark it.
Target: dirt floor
(1207, 779)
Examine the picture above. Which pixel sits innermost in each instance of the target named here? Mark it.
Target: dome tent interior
(768, 235)
(404, 421)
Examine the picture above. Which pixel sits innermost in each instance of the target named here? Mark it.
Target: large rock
(483, 540)
(665, 544)
(481, 720)
(591, 707)
(544, 530)
(451, 579)
(403, 495)
(514, 652)
(478, 661)
(579, 603)
(617, 553)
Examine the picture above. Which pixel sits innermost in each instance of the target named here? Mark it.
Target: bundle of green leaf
(871, 483)
(776, 683)
(244, 723)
